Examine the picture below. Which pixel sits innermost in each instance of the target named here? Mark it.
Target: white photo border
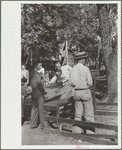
(11, 76)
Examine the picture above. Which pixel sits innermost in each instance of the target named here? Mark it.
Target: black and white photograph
(69, 74)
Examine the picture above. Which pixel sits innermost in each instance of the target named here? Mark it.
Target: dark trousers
(37, 116)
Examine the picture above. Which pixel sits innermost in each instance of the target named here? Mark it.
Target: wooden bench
(55, 106)
(106, 108)
(52, 97)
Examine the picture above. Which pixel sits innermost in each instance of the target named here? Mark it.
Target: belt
(81, 89)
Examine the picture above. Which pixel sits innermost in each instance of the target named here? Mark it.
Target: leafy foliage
(44, 26)
(37, 32)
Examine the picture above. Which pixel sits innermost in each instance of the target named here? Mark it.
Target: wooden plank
(82, 137)
(54, 105)
(53, 85)
(82, 123)
(96, 113)
(93, 72)
(57, 103)
(107, 109)
(99, 79)
(50, 108)
(105, 136)
(107, 113)
(54, 97)
(106, 104)
(64, 102)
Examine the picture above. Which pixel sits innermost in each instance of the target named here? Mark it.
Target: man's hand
(49, 82)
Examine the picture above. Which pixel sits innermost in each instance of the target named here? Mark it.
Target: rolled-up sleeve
(89, 78)
(27, 75)
(72, 76)
(53, 79)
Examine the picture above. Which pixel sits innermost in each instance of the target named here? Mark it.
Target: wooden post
(67, 50)
(51, 64)
(27, 59)
(94, 88)
(31, 56)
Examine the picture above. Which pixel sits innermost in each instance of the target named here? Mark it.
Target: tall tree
(109, 50)
(38, 31)
(80, 23)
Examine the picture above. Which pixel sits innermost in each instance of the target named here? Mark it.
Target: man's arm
(41, 86)
(89, 78)
(53, 79)
(43, 71)
(72, 77)
(27, 75)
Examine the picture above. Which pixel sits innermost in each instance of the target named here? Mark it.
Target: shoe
(76, 129)
(33, 127)
(42, 126)
(89, 132)
(46, 123)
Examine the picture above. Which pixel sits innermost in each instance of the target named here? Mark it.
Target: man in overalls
(81, 80)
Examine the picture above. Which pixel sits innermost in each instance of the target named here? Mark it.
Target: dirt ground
(39, 137)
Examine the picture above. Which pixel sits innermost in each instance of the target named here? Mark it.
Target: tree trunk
(110, 54)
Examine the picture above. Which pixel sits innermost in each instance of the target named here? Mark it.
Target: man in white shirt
(42, 71)
(24, 75)
(81, 80)
(63, 75)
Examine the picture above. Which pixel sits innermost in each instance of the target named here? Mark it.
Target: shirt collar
(79, 64)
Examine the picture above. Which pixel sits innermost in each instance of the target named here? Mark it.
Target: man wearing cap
(81, 80)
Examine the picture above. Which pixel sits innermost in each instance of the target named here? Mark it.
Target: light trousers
(83, 106)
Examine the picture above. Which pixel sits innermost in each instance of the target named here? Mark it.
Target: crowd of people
(76, 83)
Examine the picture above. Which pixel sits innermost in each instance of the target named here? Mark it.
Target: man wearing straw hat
(81, 80)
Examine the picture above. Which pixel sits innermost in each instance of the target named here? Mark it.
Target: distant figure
(24, 75)
(62, 74)
(81, 80)
(46, 77)
(102, 66)
(24, 83)
(38, 91)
